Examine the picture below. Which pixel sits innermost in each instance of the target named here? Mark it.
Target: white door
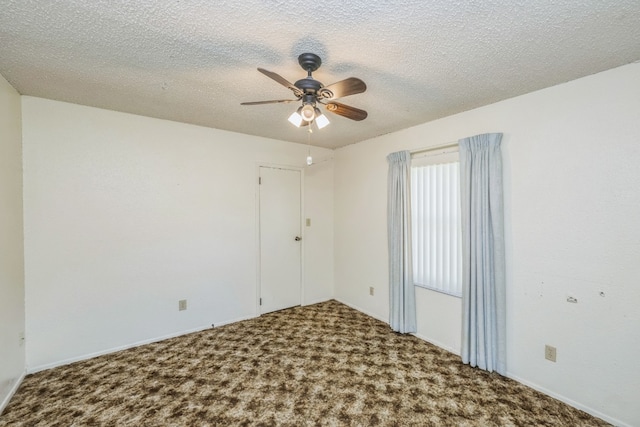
(280, 239)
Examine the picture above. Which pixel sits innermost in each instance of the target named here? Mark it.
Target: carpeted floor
(320, 365)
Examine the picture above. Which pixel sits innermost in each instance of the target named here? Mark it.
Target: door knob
(298, 238)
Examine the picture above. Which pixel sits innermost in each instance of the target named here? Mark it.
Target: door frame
(257, 223)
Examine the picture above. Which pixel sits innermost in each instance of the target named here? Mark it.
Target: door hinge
(259, 180)
(260, 301)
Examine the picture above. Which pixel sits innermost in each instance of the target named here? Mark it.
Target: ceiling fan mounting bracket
(309, 62)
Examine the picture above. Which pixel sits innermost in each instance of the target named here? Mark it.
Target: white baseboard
(13, 390)
(437, 344)
(355, 307)
(228, 322)
(422, 337)
(318, 301)
(568, 401)
(34, 369)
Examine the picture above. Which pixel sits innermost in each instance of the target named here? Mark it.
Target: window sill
(438, 290)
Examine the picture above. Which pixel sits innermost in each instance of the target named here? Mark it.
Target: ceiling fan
(311, 92)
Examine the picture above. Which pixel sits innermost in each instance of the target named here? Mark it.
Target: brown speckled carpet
(320, 365)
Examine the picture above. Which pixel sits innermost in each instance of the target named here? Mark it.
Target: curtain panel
(402, 304)
(483, 264)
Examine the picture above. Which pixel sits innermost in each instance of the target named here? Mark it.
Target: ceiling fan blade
(346, 87)
(284, 82)
(277, 101)
(347, 111)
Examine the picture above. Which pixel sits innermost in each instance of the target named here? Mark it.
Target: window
(436, 223)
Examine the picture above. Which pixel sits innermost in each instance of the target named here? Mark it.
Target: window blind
(437, 248)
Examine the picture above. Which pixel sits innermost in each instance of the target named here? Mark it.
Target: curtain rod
(437, 147)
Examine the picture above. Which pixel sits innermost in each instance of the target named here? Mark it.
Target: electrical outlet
(550, 353)
(182, 304)
(371, 290)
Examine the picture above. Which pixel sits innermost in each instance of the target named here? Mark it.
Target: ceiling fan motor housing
(308, 85)
(308, 98)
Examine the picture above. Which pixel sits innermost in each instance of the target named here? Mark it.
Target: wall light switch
(308, 222)
(371, 290)
(182, 304)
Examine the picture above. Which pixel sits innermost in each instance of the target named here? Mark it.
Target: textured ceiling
(194, 61)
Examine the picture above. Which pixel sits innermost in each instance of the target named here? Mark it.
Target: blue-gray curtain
(402, 309)
(483, 268)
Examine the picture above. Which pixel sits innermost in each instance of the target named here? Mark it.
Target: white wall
(125, 215)
(572, 201)
(318, 237)
(12, 315)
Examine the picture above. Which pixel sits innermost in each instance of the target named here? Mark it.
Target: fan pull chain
(309, 158)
